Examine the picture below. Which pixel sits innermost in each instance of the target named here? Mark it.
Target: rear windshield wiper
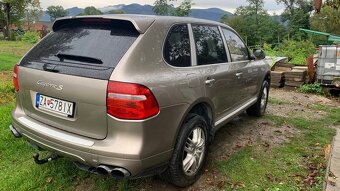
(63, 57)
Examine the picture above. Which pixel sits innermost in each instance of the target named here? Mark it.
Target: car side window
(177, 46)
(238, 50)
(209, 45)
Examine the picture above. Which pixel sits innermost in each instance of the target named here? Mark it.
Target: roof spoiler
(141, 24)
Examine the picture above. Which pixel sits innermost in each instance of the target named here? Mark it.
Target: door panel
(252, 78)
(247, 71)
(218, 76)
(227, 90)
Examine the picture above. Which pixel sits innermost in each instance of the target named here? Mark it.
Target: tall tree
(296, 14)
(161, 7)
(254, 24)
(15, 11)
(91, 11)
(56, 12)
(328, 20)
(166, 7)
(33, 13)
(2, 17)
(183, 9)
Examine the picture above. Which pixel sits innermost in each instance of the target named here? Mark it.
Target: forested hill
(214, 14)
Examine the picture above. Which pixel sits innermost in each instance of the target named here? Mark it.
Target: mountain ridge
(214, 14)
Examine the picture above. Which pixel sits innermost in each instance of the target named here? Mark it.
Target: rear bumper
(84, 150)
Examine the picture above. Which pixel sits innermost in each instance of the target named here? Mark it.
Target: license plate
(57, 106)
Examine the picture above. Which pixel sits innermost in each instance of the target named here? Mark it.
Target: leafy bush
(311, 88)
(297, 50)
(31, 37)
(271, 51)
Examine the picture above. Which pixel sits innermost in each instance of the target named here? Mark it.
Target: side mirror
(259, 54)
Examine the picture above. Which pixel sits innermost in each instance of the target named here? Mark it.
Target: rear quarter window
(100, 39)
(177, 46)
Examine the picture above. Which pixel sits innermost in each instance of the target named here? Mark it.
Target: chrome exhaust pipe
(14, 132)
(103, 170)
(120, 173)
(114, 172)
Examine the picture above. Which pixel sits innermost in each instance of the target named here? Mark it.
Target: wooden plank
(303, 68)
(280, 68)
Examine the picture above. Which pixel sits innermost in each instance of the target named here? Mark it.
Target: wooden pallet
(277, 79)
(296, 76)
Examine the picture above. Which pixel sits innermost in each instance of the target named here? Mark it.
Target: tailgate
(88, 96)
(70, 68)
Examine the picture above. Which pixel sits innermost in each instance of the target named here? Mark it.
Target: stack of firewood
(289, 75)
(278, 79)
(296, 77)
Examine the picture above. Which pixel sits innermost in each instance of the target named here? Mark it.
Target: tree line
(252, 21)
(58, 11)
(258, 27)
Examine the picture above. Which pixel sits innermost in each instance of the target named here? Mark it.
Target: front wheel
(190, 152)
(259, 108)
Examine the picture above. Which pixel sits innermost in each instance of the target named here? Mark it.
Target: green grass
(11, 52)
(284, 167)
(7, 61)
(6, 88)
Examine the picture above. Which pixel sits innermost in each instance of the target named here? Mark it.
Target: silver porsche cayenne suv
(132, 95)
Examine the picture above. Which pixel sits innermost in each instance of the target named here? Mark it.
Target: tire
(182, 175)
(259, 108)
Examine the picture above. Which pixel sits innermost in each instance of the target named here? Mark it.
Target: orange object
(317, 5)
(311, 68)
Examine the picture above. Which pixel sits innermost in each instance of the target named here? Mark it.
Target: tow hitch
(52, 157)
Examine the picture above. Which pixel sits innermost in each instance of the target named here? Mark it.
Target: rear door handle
(210, 82)
(239, 74)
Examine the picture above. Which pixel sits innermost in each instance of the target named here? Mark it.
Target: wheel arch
(204, 108)
(268, 77)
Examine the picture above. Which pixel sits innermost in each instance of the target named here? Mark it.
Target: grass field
(254, 167)
(11, 52)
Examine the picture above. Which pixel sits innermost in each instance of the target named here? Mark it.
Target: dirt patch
(300, 98)
(6, 76)
(6, 88)
(85, 185)
(244, 130)
(295, 110)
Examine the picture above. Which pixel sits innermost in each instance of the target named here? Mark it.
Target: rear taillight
(15, 78)
(130, 101)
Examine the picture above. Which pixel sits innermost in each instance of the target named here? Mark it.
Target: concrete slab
(333, 171)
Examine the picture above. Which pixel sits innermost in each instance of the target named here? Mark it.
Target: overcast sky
(228, 5)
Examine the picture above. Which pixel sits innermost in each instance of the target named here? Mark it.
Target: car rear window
(83, 47)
